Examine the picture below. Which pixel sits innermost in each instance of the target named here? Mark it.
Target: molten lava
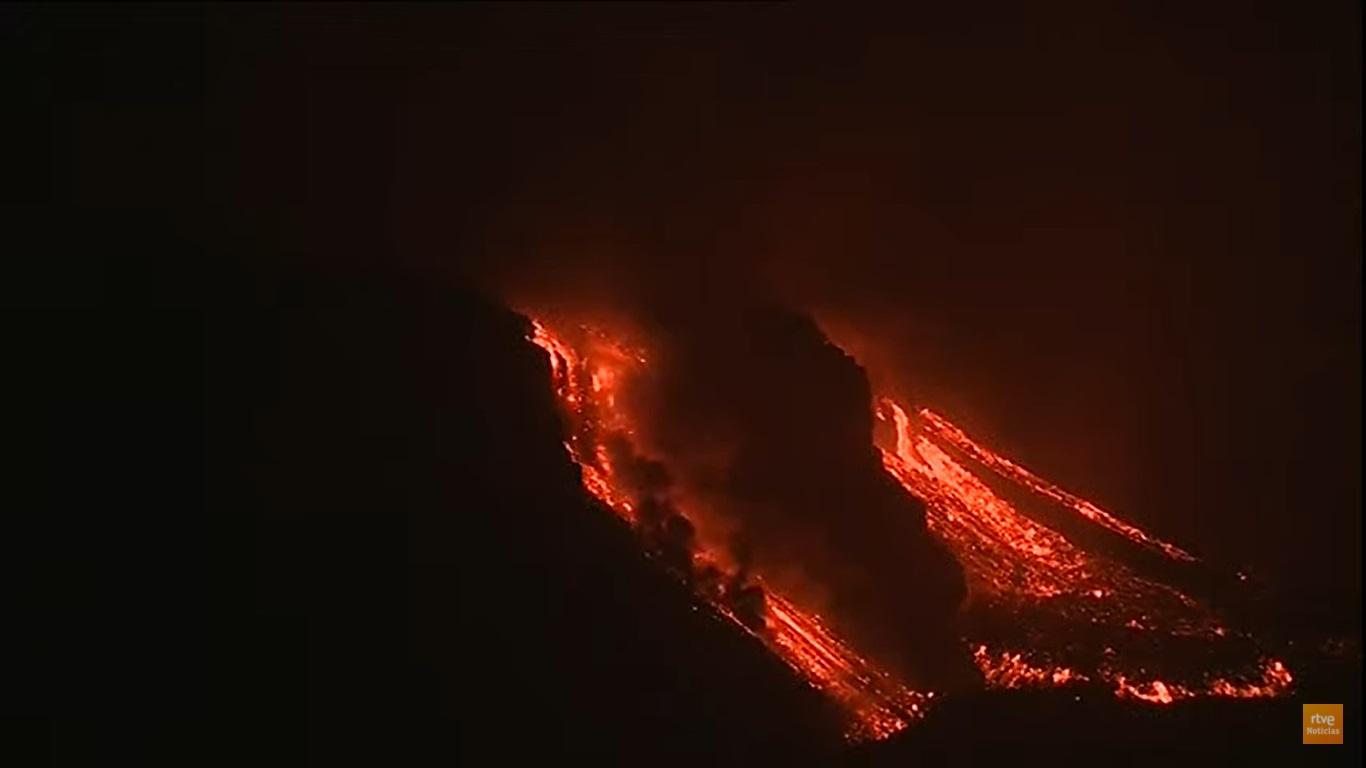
(588, 376)
(1033, 589)
(940, 427)
(1056, 614)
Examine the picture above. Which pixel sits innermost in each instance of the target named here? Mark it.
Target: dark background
(265, 434)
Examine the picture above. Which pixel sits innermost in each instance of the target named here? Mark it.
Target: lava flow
(1071, 615)
(940, 427)
(1054, 613)
(588, 378)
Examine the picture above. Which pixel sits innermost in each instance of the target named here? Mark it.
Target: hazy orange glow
(1014, 565)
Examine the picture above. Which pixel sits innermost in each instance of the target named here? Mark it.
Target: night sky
(1119, 242)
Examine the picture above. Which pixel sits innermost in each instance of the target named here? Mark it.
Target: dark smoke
(756, 382)
(667, 533)
(749, 411)
(672, 539)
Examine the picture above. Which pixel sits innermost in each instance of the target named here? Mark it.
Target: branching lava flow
(1054, 614)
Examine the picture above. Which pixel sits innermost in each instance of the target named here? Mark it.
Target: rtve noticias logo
(1322, 724)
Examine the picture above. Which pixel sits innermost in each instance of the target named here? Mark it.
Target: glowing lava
(940, 427)
(1036, 591)
(1056, 614)
(588, 375)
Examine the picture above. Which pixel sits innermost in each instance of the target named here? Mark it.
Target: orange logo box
(1322, 724)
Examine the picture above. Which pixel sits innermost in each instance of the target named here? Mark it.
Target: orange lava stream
(586, 377)
(941, 428)
(1003, 552)
(1015, 564)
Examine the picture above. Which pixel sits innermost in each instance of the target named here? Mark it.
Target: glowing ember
(1007, 670)
(1276, 680)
